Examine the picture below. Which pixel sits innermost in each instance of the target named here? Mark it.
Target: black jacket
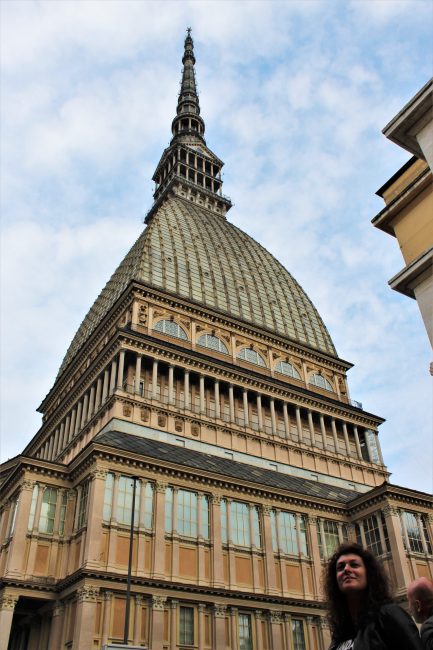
(390, 628)
(427, 634)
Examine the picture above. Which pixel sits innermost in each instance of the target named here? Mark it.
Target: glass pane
(245, 634)
(186, 625)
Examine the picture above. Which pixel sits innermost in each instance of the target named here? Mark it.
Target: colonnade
(221, 400)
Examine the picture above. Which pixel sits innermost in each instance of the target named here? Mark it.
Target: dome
(190, 252)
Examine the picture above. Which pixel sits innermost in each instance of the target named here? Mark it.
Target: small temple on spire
(188, 168)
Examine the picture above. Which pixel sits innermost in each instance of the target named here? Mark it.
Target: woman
(362, 614)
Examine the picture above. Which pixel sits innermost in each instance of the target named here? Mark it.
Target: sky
(294, 96)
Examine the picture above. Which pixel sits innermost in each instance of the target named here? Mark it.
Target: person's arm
(399, 629)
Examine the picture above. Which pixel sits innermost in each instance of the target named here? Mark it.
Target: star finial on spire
(188, 29)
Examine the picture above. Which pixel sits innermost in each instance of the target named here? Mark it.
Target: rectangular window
(169, 510)
(331, 540)
(385, 532)
(82, 512)
(187, 513)
(274, 531)
(204, 516)
(224, 521)
(124, 500)
(298, 634)
(186, 625)
(256, 532)
(240, 523)
(33, 506)
(372, 443)
(245, 632)
(372, 535)
(287, 532)
(426, 534)
(413, 532)
(62, 519)
(108, 497)
(13, 516)
(148, 506)
(48, 510)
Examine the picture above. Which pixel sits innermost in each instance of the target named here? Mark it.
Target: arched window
(320, 381)
(286, 368)
(171, 328)
(251, 356)
(212, 342)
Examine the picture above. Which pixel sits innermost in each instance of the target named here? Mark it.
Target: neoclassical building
(203, 386)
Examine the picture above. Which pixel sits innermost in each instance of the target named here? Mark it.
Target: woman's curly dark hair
(377, 593)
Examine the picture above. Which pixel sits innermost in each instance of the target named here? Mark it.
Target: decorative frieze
(158, 602)
(87, 594)
(8, 601)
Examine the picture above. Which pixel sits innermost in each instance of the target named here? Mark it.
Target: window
(330, 539)
(244, 524)
(13, 516)
(124, 500)
(371, 439)
(33, 506)
(48, 510)
(247, 354)
(186, 625)
(320, 381)
(62, 519)
(416, 528)
(245, 632)
(285, 535)
(285, 368)
(82, 511)
(148, 506)
(371, 526)
(171, 328)
(298, 634)
(212, 342)
(186, 517)
(108, 497)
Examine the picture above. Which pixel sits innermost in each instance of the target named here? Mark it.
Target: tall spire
(188, 168)
(188, 120)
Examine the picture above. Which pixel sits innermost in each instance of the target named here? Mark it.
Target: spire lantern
(188, 167)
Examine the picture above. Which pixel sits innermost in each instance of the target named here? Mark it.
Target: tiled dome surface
(202, 257)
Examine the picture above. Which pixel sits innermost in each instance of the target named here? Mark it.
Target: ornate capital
(220, 611)
(202, 607)
(174, 603)
(87, 594)
(71, 494)
(8, 601)
(158, 602)
(160, 486)
(310, 620)
(266, 508)
(108, 595)
(323, 622)
(58, 608)
(216, 498)
(99, 473)
(276, 616)
(27, 484)
(390, 511)
(312, 519)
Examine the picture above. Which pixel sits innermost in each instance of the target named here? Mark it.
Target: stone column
(202, 401)
(91, 408)
(323, 430)
(16, 555)
(85, 617)
(105, 385)
(217, 400)
(311, 427)
(217, 548)
(170, 384)
(346, 439)
(234, 627)
(98, 394)
(78, 417)
(398, 552)
(362, 532)
(113, 375)
(173, 624)
(275, 620)
(286, 421)
(121, 369)
(92, 544)
(67, 433)
(358, 446)
(106, 614)
(258, 617)
(8, 602)
(335, 436)
(315, 552)
(260, 412)
(84, 411)
(273, 416)
(137, 374)
(201, 630)
(56, 628)
(269, 553)
(299, 424)
(422, 532)
(137, 619)
(220, 640)
(310, 621)
(186, 390)
(378, 447)
(231, 403)
(155, 379)
(326, 634)
(245, 404)
(288, 630)
(159, 538)
(158, 605)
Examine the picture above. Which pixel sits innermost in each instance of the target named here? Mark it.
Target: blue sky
(294, 96)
